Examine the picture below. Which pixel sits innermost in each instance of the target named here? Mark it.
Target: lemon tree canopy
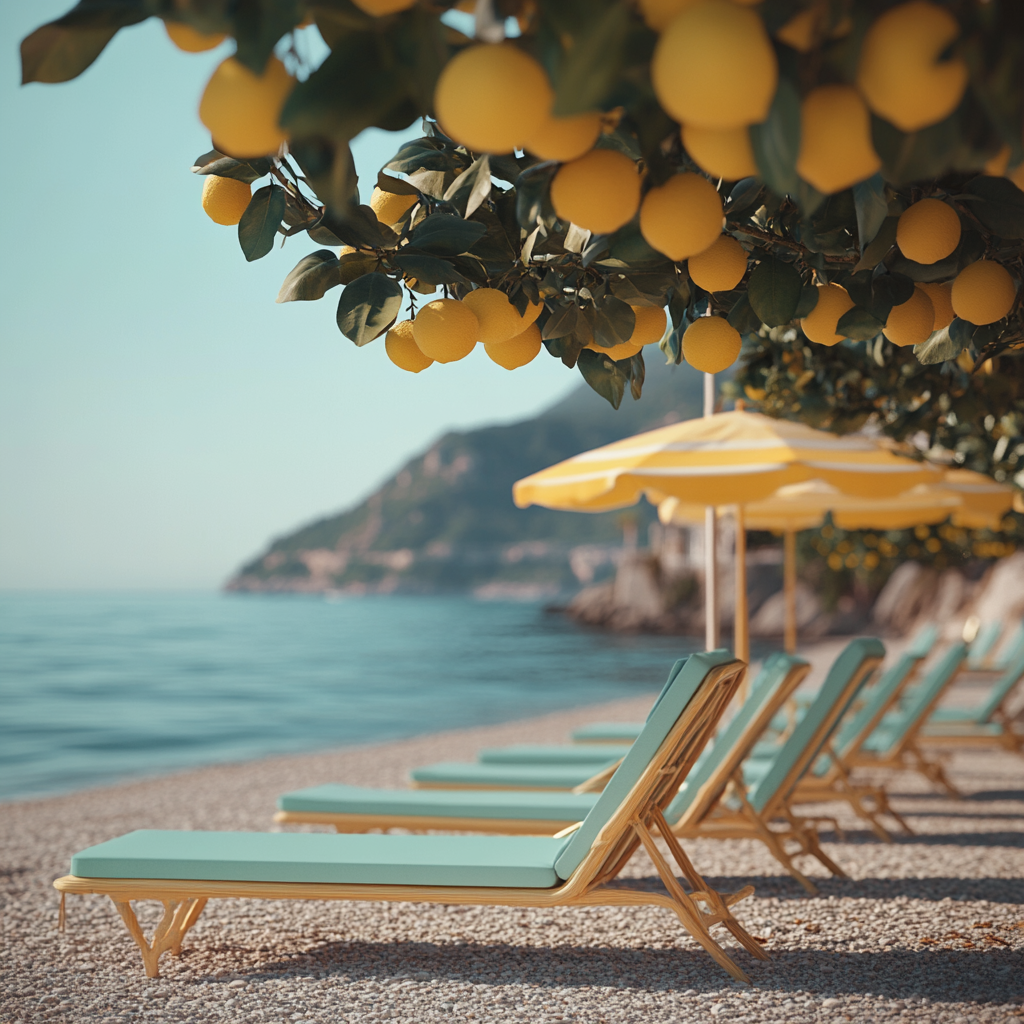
(731, 458)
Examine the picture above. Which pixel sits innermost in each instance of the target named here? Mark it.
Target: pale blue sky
(160, 416)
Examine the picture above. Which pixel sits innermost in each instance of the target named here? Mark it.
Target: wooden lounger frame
(633, 824)
(776, 824)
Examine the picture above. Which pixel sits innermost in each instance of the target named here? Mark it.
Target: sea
(100, 687)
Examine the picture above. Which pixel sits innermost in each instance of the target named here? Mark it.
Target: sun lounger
(356, 808)
(894, 742)
(983, 645)
(184, 870)
(589, 754)
(757, 805)
(987, 725)
(607, 732)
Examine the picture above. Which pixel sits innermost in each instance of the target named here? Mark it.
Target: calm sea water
(100, 687)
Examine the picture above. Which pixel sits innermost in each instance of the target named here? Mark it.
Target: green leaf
(354, 264)
(942, 345)
(637, 375)
(532, 200)
(396, 186)
(588, 67)
(368, 307)
(311, 278)
(330, 169)
(858, 324)
(808, 300)
(228, 167)
(423, 154)
(471, 187)
(358, 226)
(878, 248)
(323, 235)
(443, 234)
(915, 156)
(561, 323)
(997, 203)
(258, 26)
(258, 226)
(614, 321)
(774, 291)
(629, 246)
(603, 375)
(742, 317)
(428, 269)
(63, 49)
(872, 208)
(776, 142)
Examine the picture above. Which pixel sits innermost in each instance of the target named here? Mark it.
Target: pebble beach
(928, 928)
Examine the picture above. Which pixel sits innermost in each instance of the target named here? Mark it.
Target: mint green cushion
(545, 753)
(607, 732)
(517, 861)
(334, 798)
(512, 776)
(954, 715)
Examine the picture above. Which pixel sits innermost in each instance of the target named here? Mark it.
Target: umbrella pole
(741, 626)
(789, 588)
(710, 544)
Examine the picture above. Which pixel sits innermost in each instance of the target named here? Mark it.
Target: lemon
(532, 312)
(720, 267)
(997, 164)
(491, 97)
(650, 325)
(714, 66)
(402, 349)
(391, 207)
(911, 322)
(186, 38)
(564, 138)
(820, 324)
(446, 330)
(625, 350)
(941, 296)
(682, 217)
(928, 231)
(983, 292)
(723, 153)
(225, 199)
(378, 8)
(711, 344)
(900, 73)
(516, 351)
(599, 191)
(499, 319)
(835, 139)
(242, 109)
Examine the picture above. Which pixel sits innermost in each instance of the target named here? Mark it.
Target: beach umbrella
(971, 499)
(729, 458)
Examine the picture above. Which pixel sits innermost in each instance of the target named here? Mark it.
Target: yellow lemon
(531, 314)
(1017, 176)
(682, 217)
(820, 324)
(835, 139)
(564, 138)
(242, 109)
(516, 351)
(983, 292)
(186, 38)
(900, 73)
(499, 319)
(911, 322)
(658, 14)
(626, 350)
(402, 349)
(723, 153)
(491, 97)
(720, 266)
(942, 302)
(378, 8)
(599, 191)
(225, 199)
(711, 344)
(390, 207)
(997, 164)
(928, 231)
(649, 326)
(446, 330)
(714, 66)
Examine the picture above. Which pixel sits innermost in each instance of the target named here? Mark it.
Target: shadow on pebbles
(928, 928)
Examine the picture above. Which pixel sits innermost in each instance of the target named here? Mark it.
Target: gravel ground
(930, 928)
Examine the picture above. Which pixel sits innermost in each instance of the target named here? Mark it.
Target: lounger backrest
(683, 684)
(923, 641)
(848, 674)
(733, 743)
(918, 705)
(1012, 649)
(983, 643)
(857, 726)
(1007, 681)
(675, 670)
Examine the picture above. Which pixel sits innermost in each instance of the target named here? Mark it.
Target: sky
(161, 418)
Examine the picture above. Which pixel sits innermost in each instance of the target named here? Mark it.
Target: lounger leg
(689, 913)
(881, 798)
(179, 916)
(852, 795)
(933, 771)
(807, 835)
(702, 891)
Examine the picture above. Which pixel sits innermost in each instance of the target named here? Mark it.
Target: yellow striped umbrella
(729, 458)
